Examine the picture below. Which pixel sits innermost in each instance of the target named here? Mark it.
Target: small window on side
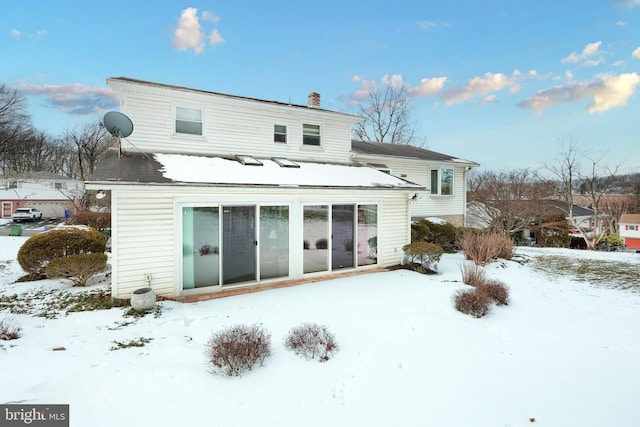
(311, 135)
(442, 182)
(189, 121)
(280, 134)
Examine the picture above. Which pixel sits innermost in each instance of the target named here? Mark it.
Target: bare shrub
(98, 220)
(9, 329)
(482, 248)
(473, 274)
(496, 290)
(472, 302)
(78, 268)
(237, 349)
(422, 256)
(311, 341)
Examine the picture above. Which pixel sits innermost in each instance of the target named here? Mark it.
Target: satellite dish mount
(118, 125)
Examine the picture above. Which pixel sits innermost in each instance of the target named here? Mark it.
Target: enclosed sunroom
(185, 224)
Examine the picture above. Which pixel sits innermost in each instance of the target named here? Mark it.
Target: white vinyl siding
(419, 172)
(146, 227)
(230, 125)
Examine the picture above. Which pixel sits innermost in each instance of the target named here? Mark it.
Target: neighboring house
(477, 216)
(630, 230)
(51, 194)
(443, 176)
(213, 191)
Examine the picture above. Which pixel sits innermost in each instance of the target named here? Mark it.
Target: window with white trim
(442, 182)
(189, 121)
(280, 134)
(311, 134)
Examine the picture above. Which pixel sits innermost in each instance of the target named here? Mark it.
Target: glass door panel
(316, 238)
(274, 241)
(367, 234)
(238, 244)
(200, 242)
(342, 231)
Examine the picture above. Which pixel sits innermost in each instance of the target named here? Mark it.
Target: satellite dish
(118, 125)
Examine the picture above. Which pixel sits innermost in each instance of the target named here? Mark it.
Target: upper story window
(442, 182)
(280, 133)
(311, 134)
(189, 120)
(12, 184)
(58, 185)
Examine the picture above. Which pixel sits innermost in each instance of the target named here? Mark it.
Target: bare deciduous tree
(89, 142)
(387, 117)
(14, 122)
(594, 184)
(507, 201)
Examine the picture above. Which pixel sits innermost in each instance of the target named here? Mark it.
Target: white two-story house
(213, 191)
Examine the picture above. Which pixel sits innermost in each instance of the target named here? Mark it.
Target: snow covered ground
(563, 353)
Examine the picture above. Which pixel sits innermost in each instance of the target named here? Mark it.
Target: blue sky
(502, 83)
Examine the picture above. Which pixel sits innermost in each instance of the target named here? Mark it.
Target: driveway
(28, 228)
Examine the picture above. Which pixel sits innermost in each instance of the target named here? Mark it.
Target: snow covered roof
(203, 170)
(39, 191)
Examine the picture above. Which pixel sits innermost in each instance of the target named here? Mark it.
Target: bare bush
(9, 329)
(496, 290)
(473, 274)
(472, 302)
(482, 248)
(311, 341)
(237, 349)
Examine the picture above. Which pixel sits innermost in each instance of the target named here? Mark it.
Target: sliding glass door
(220, 245)
(342, 232)
(238, 244)
(200, 247)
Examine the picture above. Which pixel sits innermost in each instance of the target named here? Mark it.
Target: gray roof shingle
(402, 150)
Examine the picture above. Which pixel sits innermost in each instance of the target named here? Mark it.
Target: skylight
(285, 163)
(248, 160)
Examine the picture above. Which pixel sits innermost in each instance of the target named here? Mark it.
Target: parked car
(26, 214)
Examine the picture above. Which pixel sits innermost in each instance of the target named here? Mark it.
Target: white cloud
(589, 51)
(15, 34)
(626, 3)
(428, 25)
(614, 91)
(394, 80)
(636, 53)
(428, 87)
(490, 82)
(208, 16)
(621, 23)
(610, 92)
(189, 33)
(74, 99)
(215, 38)
(619, 63)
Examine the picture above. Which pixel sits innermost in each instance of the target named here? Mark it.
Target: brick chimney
(314, 100)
